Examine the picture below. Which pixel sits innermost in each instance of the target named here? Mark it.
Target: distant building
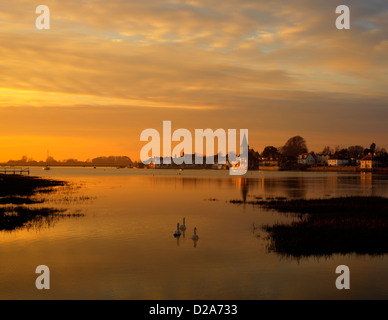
(369, 162)
(322, 159)
(307, 159)
(337, 162)
(268, 162)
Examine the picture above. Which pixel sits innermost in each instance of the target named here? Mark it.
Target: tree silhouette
(327, 151)
(372, 148)
(270, 152)
(356, 151)
(294, 147)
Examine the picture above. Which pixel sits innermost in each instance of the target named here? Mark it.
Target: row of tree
(291, 150)
(294, 147)
(118, 161)
(297, 145)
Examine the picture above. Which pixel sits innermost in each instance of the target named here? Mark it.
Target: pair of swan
(182, 227)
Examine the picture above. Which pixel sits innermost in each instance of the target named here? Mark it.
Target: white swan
(183, 226)
(177, 233)
(195, 236)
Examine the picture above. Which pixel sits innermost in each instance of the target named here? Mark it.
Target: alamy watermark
(183, 152)
(42, 281)
(43, 21)
(342, 281)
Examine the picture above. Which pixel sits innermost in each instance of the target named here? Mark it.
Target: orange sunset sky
(106, 70)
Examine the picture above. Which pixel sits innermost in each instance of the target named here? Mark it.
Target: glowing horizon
(106, 71)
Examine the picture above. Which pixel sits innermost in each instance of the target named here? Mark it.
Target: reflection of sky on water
(291, 185)
(124, 246)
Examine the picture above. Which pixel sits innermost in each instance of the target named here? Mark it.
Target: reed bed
(324, 227)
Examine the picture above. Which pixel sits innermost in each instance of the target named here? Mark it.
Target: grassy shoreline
(17, 194)
(328, 226)
(19, 185)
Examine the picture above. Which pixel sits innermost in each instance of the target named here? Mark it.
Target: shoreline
(22, 204)
(355, 170)
(323, 227)
(24, 186)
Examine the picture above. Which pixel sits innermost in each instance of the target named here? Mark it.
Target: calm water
(123, 248)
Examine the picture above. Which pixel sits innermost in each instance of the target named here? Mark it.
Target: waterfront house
(306, 158)
(337, 162)
(369, 162)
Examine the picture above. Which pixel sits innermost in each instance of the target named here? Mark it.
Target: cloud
(279, 65)
(155, 48)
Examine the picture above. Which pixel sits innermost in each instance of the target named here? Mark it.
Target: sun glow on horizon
(89, 85)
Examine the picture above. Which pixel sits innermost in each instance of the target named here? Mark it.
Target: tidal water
(123, 245)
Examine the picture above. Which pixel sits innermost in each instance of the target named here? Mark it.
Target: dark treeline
(119, 161)
(294, 153)
(297, 145)
(289, 156)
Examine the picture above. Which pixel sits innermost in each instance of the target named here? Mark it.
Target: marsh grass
(19, 200)
(17, 185)
(14, 218)
(18, 193)
(328, 226)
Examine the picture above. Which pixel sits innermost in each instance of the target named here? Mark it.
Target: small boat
(47, 160)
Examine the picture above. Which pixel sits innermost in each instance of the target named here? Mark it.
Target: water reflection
(177, 241)
(243, 185)
(137, 214)
(16, 218)
(340, 224)
(195, 243)
(329, 226)
(286, 184)
(293, 187)
(195, 237)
